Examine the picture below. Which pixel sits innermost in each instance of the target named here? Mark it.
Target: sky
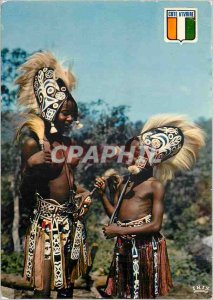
(118, 53)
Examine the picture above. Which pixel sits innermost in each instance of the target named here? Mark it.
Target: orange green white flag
(181, 25)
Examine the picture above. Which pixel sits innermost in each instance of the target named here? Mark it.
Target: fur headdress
(170, 143)
(26, 98)
(194, 139)
(44, 85)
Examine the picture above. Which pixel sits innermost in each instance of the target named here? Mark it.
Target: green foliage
(104, 256)
(11, 60)
(187, 201)
(6, 215)
(12, 262)
(93, 221)
(183, 267)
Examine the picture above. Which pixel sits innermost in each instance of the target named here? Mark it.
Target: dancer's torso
(137, 200)
(56, 179)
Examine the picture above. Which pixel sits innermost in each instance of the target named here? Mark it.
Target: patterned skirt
(54, 235)
(140, 266)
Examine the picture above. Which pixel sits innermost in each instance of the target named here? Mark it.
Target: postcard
(106, 149)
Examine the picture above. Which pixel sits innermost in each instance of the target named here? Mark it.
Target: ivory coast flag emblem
(180, 25)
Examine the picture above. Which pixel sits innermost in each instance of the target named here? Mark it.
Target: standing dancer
(55, 246)
(140, 267)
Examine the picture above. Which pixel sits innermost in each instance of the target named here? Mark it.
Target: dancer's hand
(100, 184)
(39, 158)
(113, 230)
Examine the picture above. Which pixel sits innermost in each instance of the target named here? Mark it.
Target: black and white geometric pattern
(77, 241)
(163, 142)
(50, 92)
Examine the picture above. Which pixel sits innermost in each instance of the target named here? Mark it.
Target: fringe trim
(71, 270)
(39, 261)
(81, 265)
(123, 286)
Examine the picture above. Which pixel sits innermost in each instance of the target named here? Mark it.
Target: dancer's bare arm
(100, 184)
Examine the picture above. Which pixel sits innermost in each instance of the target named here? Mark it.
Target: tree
(11, 60)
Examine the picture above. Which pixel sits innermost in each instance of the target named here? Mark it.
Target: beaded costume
(55, 235)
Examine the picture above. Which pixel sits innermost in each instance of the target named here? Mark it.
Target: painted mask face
(161, 143)
(50, 92)
(156, 146)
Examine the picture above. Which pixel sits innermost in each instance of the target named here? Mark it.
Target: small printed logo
(180, 25)
(201, 289)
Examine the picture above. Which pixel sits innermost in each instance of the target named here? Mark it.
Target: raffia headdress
(174, 143)
(44, 86)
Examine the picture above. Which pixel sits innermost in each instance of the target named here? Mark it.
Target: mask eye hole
(147, 142)
(50, 90)
(156, 143)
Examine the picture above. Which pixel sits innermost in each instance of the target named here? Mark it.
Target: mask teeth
(53, 129)
(78, 125)
(134, 169)
(141, 162)
(140, 166)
